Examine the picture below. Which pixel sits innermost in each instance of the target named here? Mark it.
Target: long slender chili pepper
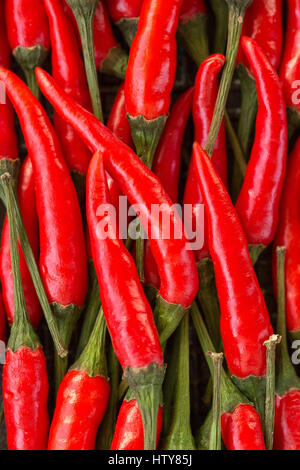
(290, 65)
(237, 9)
(240, 423)
(245, 323)
(258, 202)
(126, 16)
(176, 264)
(25, 399)
(134, 336)
(63, 262)
(68, 70)
(287, 405)
(117, 121)
(287, 235)
(263, 23)
(28, 34)
(82, 397)
(84, 11)
(192, 29)
(150, 77)
(220, 10)
(26, 193)
(2, 320)
(129, 432)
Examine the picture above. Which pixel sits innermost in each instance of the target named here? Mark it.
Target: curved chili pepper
(192, 30)
(2, 320)
(28, 34)
(26, 193)
(134, 336)
(68, 70)
(126, 16)
(117, 121)
(177, 268)
(63, 262)
(205, 95)
(150, 77)
(82, 397)
(258, 202)
(129, 433)
(290, 66)
(25, 381)
(245, 323)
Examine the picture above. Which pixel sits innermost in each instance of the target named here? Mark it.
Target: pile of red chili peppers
(150, 232)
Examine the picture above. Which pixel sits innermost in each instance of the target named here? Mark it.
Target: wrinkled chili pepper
(28, 34)
(263, 23)
(287, 235)
(192, 29)
(245, 323)
(176, 264)
(150, 77)
(82, 397)
(26, 194)
(290, 65)
(68, 70)
(258, 202)
(25, 381)
(287, 399)
(129, 432)
(126, 16)
(241, 426)
(63, 263)
(134, 336)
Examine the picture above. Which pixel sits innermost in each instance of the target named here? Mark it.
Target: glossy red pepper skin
(63, 262)
(25, 394)
(129, 433)
(68, 70)
(242, 429)
(141, 187)
(287, 235)
(134, 335)
(117, 121)
(263, 23)
(245, 323)
(5, 54)
(80, 407)
(26, 194)
(119, 9)
(191, 8)
(150, 77)
(2, 320)
(258, 202)
(290, 65)
(286, 428)
(27, 24)
(205, 96)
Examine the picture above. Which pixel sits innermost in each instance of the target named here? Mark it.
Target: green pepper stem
(248, 107)
(193, 36)
(215, 441)
(29, 58)
(220, 10)
(237, 9)
(84, 11)
(34, 272)
(270, 389)
(170, 383)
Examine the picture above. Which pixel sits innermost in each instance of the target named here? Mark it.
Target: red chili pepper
(126, 15)
(25, 381)
(5, 55)
(286, 428)
(287, 235)
(28, 34)
(242, 430)
(82, 397)
(191, 8)
(117, 121)
(150, 77)
(68, 70)
(63, 262)
(177, 268)
(26, 193)
(129, 433)
(134, 336)
(245, 323)
(2, 321)
(263, 23)
(258, 202)
(290, 65)
(205, 95)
